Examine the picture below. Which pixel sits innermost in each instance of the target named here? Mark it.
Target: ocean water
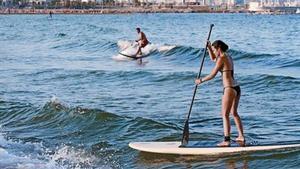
(68, 100)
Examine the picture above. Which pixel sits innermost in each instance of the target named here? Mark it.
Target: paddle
(185, 135)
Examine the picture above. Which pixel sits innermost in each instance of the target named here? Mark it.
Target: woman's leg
(237, 118)
(227, 101)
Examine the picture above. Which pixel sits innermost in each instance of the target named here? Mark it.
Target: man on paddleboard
(142, 42)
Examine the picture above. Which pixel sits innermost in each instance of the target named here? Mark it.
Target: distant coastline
(123, 10)
(150, 9)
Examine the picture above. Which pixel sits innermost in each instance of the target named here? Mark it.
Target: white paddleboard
(173, 148)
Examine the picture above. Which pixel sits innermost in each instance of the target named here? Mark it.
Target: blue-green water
(68, 101)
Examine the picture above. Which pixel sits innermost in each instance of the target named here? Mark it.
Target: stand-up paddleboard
(134, 56)
(174, 148)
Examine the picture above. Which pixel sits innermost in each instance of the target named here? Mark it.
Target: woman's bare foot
(224, 144)
(241, 141)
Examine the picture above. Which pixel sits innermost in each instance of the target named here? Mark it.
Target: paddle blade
(185, 135)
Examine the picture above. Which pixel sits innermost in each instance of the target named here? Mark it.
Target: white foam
(10, 160)
(165, 48)
(123, 44)
(72, 157)
(12, 155)
(24, 161)
(54, 99)
(120, 58)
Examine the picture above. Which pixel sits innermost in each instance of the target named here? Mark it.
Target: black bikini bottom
(236, 88)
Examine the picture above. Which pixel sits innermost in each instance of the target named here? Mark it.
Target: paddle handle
(200, 69)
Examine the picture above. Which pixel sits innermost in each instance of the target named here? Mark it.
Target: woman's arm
(211, 53)
(213, 73)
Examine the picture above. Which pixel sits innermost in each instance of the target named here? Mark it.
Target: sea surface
(69, 100)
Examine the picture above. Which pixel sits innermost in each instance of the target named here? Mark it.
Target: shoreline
(148, 9)
(122, 10)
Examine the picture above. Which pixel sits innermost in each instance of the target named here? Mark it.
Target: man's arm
(139, 37)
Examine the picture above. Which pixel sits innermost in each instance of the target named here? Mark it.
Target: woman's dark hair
(220, 44)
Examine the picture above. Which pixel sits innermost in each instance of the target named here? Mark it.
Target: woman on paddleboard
(231, 90)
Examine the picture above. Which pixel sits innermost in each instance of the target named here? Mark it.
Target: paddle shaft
(185, 135)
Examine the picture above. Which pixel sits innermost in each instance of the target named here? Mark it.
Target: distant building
(170, 1)
(254, 7)
(39, 2)
(230, 2)
(240, 2)
(276, 3)
(7, 3)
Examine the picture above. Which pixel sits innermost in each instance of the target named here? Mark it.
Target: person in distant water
(50, 14)
(142, 42)
(231, 90)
